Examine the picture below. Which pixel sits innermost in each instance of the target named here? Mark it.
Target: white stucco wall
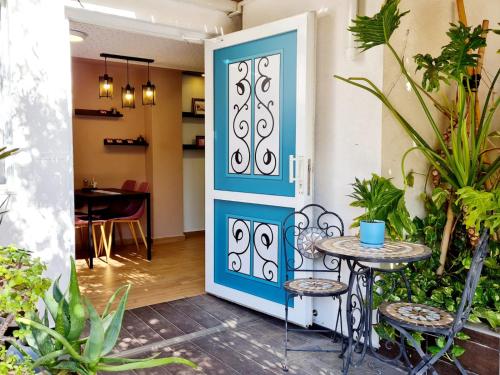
(348, 129)
(35, 104)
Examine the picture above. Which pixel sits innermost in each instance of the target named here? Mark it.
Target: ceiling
(168, 53)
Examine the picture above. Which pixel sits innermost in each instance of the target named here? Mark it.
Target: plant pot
(372, 233)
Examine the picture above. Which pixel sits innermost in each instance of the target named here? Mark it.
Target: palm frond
(373, 31)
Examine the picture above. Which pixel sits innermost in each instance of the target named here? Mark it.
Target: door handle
(296, 171)
(291, 172)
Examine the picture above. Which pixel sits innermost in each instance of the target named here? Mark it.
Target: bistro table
(361, 279)
(94, 197)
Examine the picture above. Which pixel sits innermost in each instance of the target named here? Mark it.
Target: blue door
(253, 181)
(255, 86)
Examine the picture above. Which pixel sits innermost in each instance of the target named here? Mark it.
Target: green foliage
(9, 364)
(382, 201)
(63, 349)
(373, 31)
(455, 57)
(21, 282)
(4, 153)
(462, 163)
(481, 208)
(445, 292)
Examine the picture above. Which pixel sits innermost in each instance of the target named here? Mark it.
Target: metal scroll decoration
(240, 117)
(265, 251)
(266, 107)
(239, 245)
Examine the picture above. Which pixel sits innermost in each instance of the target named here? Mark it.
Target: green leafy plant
(382, 201)
(481, 208)
(9, 364)
(460, 158)
(62, 348)
(444, 292)
(21, 284)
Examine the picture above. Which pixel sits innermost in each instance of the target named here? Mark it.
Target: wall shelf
(125, 142)
(192, 115)
(193, 147)
(96, 113)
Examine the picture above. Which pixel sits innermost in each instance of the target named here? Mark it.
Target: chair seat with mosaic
(301, 230)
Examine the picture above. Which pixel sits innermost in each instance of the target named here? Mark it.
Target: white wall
(193, 160)
(348, 121)
(35, 101)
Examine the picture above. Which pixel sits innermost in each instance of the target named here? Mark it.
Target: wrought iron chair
(426, 319)
(301, 229)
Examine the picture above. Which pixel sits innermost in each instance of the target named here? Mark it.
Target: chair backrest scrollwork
(471, 282)
(301, 229)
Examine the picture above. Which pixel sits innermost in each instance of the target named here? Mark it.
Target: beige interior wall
(160, 164)
(423, 30)
(109, 165)
(165, 162)
(193, 160)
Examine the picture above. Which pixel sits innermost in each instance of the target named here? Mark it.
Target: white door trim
(305, 25)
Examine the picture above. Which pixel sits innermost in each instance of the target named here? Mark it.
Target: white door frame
(305, 25)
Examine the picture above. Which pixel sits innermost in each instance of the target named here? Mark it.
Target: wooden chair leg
(110, 237)
(96, 249)
(142, 233)
(104, 242)
(132, 231)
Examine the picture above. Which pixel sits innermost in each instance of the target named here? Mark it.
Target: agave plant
(382, 201)
(4, 153)
(62, 349)
(461, 159)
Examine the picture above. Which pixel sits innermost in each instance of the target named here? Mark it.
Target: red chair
(134, 212)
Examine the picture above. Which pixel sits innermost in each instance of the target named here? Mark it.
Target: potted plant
(384, 209)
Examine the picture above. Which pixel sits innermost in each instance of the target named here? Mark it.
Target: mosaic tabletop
(349, 247)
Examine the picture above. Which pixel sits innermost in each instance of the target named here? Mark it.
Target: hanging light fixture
(128, 94)
(148, 92)
(105, 83)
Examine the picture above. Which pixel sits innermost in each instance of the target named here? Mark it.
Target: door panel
(248, 244)
(259, 92)
(255, 117)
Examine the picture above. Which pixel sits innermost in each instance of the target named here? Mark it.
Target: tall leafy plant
(382, 201)
(62, 349)
(460, 162)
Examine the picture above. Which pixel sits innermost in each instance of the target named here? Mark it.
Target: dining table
(363, 262)
(104, 196)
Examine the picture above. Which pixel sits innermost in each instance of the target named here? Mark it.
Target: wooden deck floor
(176, 271)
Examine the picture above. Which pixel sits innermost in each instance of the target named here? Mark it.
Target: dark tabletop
(108, 193)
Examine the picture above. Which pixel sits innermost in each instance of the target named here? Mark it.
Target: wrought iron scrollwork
(264, 241)
(265, 158)
(240, 158)
(240, 231)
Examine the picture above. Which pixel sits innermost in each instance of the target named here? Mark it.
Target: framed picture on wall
(198, 106)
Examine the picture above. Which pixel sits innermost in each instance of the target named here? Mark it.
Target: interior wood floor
(176, 271)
